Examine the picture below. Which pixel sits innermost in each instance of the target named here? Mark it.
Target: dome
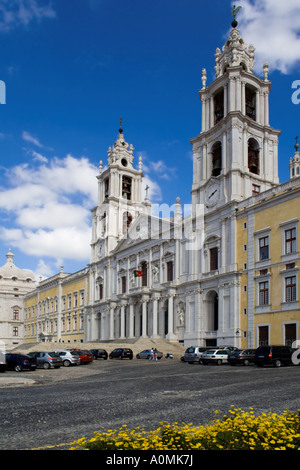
(10, 271)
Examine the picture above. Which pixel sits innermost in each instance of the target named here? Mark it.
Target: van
(194, 354)
(273, 355)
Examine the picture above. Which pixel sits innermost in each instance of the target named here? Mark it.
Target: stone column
(170, 315)
(122, 332)
(155, 317)
(144, 319)
(112, 323)
(131, 320)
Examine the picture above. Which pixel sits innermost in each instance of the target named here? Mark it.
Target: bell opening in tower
(217, 159)
(250, 102)
(219, 105)
(126, 187)
(253, 156)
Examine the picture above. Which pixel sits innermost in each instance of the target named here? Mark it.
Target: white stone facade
(15, 283)
(189, 289)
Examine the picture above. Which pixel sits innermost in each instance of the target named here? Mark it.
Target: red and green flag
(137, 273)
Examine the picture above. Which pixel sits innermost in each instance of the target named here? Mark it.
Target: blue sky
(72, 68)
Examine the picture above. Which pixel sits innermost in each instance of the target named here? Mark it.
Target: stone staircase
(136, 345)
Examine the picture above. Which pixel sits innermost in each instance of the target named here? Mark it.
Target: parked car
(273, 355)
(241, 356)
(121, 353)
(69, 358)
(85, 356)
(3, 365)
(216, 356)
(147, 354)
(20, 362)
(194, 354)
(46, 360)
(99, 353)
(229, 348)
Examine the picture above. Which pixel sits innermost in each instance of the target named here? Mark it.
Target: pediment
(145, 228)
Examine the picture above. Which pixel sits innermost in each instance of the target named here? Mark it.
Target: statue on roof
(234, 12)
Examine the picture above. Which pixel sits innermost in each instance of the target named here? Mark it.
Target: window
(213, 258)
(253, 157)
(170, 271)
(263, 335)
(127, 219)
(100, 291)
(290, 289)
(250, 102)
(290, 333)
(126, 187)
(123, 281)
(255, 189)
(290, 266)
(263, 248)
(16, 314)
(144, 274)
(15, 331)
(264, 293)
(219, 106)
(106, 188)
(216, 159)
(290, 241)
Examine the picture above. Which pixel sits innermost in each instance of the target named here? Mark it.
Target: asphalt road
(66, 404)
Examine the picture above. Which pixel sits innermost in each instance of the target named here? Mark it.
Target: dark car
(121, 353)
(241, 356)
(19, 362)
(99, 353)
(46, 360)
(273, 355)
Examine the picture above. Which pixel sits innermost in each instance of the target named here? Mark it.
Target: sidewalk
(7, 381)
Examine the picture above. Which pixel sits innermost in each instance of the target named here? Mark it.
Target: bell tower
(119, 198)
(236, 153)
(295, 162)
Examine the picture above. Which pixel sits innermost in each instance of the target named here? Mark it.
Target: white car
(216, 356)
(69, 358)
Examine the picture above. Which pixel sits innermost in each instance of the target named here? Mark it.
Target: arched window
(253, 156)
(212, 311)
(126, 187)
(217, 159)
(127, 219)
(250, 102)
(219, 105)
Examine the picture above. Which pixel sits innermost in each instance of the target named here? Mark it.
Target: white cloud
(154, 191)
(49, 208)
(15, 13)
(39, 157)
(29, 138)
(273, 27)
(45, 208)
(43, 270)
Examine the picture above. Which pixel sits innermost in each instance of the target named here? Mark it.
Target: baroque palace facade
(227, 273)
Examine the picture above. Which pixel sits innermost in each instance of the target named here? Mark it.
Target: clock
(212, 194)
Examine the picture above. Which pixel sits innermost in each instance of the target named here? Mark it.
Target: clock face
(212, 194)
